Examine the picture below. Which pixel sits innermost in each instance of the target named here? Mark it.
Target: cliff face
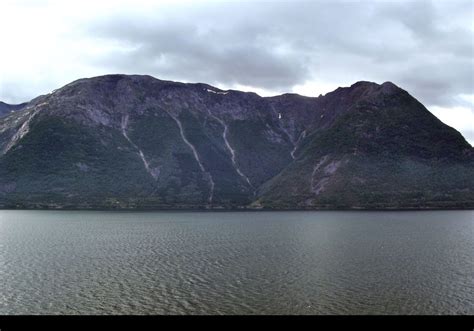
(120, 141)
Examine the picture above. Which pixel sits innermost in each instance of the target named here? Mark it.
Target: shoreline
(211, 210)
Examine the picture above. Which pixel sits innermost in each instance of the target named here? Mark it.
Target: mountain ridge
(6, 108)
(132, 141)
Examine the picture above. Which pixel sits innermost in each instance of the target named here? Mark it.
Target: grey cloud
(229, 53)
(439, 83)
(426, 47)
(275, 45)
(469, 136)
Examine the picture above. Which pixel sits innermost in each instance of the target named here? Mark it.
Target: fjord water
(84, 262)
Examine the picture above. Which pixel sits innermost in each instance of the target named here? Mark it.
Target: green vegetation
(366, 146)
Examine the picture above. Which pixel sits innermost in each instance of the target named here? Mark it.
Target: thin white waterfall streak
(229, 147)
(196, 156)
(302, 136)
(124, 126)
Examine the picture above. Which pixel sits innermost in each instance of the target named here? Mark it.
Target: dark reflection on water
(237, 263)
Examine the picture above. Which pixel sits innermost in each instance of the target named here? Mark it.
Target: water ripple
(236, 263)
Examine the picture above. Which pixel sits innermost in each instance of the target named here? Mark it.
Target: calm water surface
(55, 262)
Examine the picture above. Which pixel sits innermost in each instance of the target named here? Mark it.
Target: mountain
(6, 109)
(129, 141)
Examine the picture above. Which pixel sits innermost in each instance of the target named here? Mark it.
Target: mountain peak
(364, 83)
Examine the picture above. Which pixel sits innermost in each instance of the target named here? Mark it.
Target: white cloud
(460, 118)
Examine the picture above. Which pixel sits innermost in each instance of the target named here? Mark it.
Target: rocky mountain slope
(6, 109)
(119, 141)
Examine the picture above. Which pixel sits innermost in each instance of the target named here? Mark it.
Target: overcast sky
(270, 47)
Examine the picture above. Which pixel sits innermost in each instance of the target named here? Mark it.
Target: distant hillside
(6, 109)
(119, 141)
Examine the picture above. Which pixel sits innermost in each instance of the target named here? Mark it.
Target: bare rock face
(120, 141)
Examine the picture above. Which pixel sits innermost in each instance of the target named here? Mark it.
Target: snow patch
(216, 92)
